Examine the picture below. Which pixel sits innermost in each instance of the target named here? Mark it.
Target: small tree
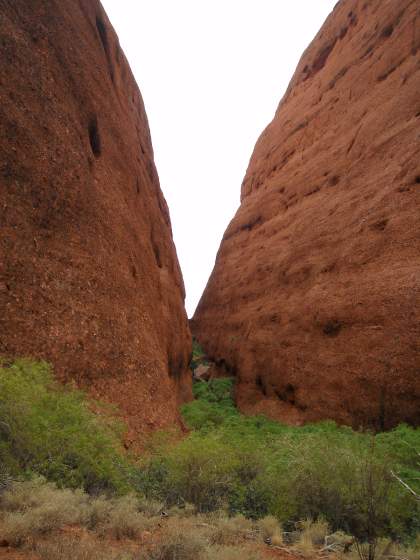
(368, 515)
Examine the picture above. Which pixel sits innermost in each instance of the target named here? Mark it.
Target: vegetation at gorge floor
(232, 484)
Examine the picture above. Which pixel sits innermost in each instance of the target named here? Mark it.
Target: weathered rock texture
(89, 277)
(314, 302)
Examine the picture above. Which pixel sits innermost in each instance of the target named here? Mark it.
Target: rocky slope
(89, 277)
(314, 301)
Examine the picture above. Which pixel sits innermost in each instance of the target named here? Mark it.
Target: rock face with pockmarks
(314, 301)
(89, 277)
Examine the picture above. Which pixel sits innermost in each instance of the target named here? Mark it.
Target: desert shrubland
(232, 479)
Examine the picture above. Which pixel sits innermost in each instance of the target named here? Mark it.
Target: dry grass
(203, 537)
(150, 508)
(312, 536)
(270, 528)
(99, 512)
(66, 548)
(33, 512)
(176, 544)
(123, 519)
(386, 550)
(412, 553)
(339, 542)
(232, 553)
(187, 510)
(34, 507)
(231, 530)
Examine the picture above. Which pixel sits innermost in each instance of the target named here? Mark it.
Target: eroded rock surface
(89, 277)
(314, 301)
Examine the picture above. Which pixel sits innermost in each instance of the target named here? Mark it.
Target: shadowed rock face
(89, 277)
(314, 301)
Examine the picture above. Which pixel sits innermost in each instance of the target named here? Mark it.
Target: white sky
(211, 73)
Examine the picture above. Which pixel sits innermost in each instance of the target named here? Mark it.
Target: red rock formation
(314, 301)
(89, 277)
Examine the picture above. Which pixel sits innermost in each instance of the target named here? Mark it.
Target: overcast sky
(211, 73)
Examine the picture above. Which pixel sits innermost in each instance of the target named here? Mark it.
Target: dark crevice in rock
(103, 35)
(380, 225)
(251, 224)
(387, 31)
(260, 384)
(332, 328)
(288, 394)
(176, 365)
(94, 137)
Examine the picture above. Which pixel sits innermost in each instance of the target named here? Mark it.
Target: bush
(50, 430)
(176, 544)
(257, 467)
(230, 531)
(198, 356)
(64, 548)
(35, 507)
(196, 470)
(311, 536)
(213, 405)
(314, 531)
(123, 519)
(271, 530)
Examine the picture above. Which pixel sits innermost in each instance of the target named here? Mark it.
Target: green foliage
(257, 467)
(213, 405)
(49, 429)
(247, 466)
(198, 355)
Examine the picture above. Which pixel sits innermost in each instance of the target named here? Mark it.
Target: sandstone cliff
(314, 301)
(89, 277)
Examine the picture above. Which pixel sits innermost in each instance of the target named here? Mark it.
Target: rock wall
(89, 277)
(314, 301)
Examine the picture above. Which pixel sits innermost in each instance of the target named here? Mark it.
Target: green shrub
(49, 429)
(197, 470)
(198, 356)
(213, 405)
(257, 467)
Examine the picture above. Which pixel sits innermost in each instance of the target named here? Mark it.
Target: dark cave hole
(94, 137)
